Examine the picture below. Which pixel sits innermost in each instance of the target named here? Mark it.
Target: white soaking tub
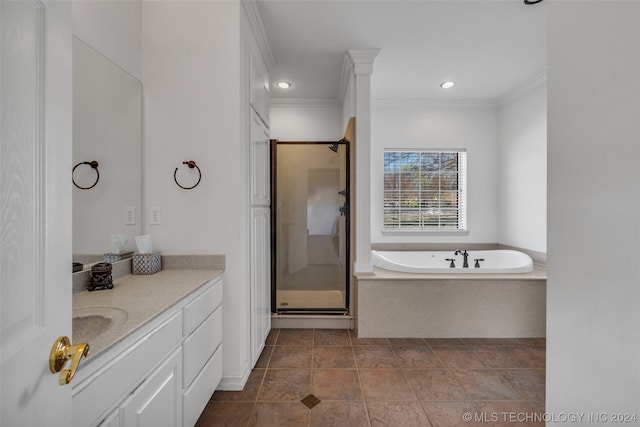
(489, 261)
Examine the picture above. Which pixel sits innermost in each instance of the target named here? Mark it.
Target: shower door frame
(274, 230)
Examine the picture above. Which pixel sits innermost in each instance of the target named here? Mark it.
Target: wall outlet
(155, 215)
(129, 215)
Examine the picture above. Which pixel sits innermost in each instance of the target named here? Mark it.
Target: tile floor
(386, 382)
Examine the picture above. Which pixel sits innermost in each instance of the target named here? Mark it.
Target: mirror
(107, 128)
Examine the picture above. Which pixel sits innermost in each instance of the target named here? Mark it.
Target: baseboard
(234, 383)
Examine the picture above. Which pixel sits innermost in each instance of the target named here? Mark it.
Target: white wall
(522, 169)
(593, 293)
(192, 111)
(113, 28)
(439, 125)
(313, 121)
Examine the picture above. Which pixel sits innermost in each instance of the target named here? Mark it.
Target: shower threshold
(317, 311)
(311, 301)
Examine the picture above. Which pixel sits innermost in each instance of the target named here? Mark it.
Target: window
(425, 190)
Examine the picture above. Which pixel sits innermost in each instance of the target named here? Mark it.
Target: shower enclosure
(310, 227)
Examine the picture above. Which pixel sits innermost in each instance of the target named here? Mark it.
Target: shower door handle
(344, 192)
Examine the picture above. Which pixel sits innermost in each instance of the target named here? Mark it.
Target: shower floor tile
(370, 382)
(309, 299)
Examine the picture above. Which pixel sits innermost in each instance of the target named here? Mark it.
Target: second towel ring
(94, 165)
(191, 164)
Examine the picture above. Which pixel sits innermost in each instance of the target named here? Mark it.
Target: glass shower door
(311, 224)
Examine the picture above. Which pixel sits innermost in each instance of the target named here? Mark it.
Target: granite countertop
(135, 300)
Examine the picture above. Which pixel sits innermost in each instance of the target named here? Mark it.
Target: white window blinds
(425, 190)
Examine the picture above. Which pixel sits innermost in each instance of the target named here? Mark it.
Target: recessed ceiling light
(283, 85)
(447, 85)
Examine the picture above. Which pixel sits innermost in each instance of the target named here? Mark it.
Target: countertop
(538, 273)
(142, 298)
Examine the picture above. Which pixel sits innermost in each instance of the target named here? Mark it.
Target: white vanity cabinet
(163, 374)
(202, 351)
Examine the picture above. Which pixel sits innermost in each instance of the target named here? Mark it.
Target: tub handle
(453, 262)
(477, 260)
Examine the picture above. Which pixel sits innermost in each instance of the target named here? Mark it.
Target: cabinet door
(259, 90)
(158, 401)
(112, 420)
(260, 280)
(259, 167)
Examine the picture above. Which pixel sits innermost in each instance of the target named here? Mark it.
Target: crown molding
(345, 76)
(515, 93)
(306, 102)
(255, 22)
(432, 103)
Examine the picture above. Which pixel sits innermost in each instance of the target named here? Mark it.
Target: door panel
(35, 210)
(311, 226)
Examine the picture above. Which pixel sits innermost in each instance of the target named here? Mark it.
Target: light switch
(129, 215)
(155, 215)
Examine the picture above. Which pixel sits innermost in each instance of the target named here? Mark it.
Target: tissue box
(146, 263)
(117, 257)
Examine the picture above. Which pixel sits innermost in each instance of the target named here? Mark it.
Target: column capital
(362, 60)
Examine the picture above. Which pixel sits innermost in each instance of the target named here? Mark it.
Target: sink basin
(90, 322)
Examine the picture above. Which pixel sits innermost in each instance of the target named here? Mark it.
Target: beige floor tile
(285, 385)
(331, 337)
(385, 385)
(406, 414)
(270, 414)
(375, 357)
(333, 357)
(336, 384)
(339, 414)
(435, 384)
(290, 357)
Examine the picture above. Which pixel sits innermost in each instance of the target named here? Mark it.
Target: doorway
(310, 227)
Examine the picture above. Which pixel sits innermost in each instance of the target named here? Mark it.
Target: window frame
(461, 222)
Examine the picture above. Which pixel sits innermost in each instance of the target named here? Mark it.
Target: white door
(35, 208)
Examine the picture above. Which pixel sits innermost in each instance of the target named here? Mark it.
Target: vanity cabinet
(164, 373)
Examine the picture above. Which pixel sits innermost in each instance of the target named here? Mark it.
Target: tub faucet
(465, 263)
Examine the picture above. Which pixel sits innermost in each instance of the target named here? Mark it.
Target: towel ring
(191, 164)
(94, 166)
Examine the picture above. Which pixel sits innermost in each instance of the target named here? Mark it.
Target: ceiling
(488, 47)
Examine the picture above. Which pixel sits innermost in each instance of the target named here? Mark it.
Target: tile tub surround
(142, 297)
(380, 381)
(404, 305)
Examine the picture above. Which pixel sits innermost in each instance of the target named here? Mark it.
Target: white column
(362, 60)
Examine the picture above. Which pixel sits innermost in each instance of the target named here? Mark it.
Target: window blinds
(425, 190)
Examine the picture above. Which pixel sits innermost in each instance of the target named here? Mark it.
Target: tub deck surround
(538, 273)
(409, 305)
(143, 298)
(487, 262)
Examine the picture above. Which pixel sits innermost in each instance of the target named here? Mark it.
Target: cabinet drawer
(156, 402)
(122, 374)
(200, 345)
(200, 308)
(198, 394)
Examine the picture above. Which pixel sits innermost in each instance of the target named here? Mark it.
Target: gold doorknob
(62, 351)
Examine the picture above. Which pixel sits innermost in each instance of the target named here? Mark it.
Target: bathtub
(495, 261)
